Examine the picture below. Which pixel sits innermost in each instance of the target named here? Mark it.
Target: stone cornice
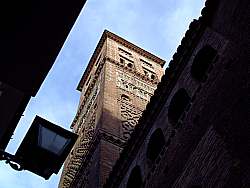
(161, 94)
(107, 34)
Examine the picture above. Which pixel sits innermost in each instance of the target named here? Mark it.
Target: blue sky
(156, 26)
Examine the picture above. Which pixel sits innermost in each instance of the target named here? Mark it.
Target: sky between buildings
(156, 26)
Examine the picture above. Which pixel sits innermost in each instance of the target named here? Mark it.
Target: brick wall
(209, 146)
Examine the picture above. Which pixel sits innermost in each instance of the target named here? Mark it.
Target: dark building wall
(12, 103)
(32, 36)
(92, 179)
(108, 156)
(204, 149)
(208, 145)
(232, 19)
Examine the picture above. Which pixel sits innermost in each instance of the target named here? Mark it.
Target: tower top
(107, 34)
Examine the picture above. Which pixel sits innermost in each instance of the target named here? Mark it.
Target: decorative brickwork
(129, 117)
(115, 91)
(80, 149)
(134, 85)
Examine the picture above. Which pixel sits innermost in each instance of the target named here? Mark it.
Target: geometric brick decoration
(115, 89)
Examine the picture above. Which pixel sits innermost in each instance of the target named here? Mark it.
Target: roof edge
(107, 34)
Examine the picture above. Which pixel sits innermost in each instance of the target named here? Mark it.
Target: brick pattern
(129, 118)
(113, 119)
(101, 143)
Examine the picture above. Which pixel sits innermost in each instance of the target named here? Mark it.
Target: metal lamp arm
(11, 160)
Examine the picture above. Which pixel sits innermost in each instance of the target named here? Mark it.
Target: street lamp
(43, 150)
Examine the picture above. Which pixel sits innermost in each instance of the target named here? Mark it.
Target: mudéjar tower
(115, 89)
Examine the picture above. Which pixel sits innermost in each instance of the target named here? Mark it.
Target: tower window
(130, 65)
(126, 62)
(155, 144)
(125, 97)
(150, 74)
(145, 63)
(135, 179)
(177, 105)
(202, 61)
(124, 52)
(122, 61)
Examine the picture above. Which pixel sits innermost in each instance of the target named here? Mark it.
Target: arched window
(202, 61)
(155, 144)
(177, 105)
(130, 65)
(125, 97)
(135, 179)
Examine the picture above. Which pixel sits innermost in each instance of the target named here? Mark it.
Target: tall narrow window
(129, 65)
(147, 64)
(202, 61)
(150, 74)
(122, 61)
(155, 144)
(124, 52)
(135, 179)
(177, 105)
(126, 62)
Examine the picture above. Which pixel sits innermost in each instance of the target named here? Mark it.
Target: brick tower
(115, 89)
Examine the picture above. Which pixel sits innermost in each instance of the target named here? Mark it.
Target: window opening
(155, 144)
(135, 179)
(202, 61)
(177, 105)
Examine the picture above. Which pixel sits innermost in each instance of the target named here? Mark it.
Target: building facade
(115, 89)
(195, 131)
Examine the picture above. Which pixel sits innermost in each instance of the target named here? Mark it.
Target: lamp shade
(45, 147)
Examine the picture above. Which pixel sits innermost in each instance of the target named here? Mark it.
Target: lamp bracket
(11, 160)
